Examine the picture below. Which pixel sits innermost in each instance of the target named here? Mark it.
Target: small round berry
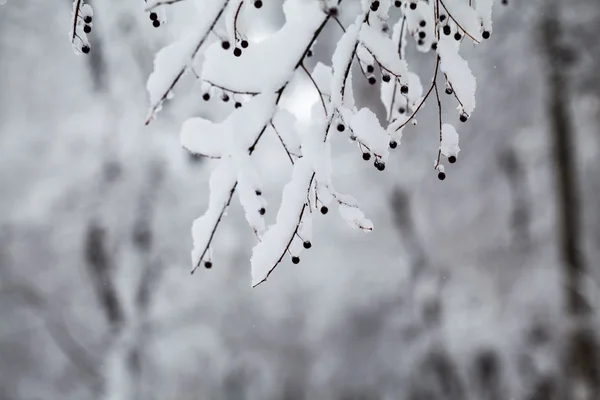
(485, 34)
(398, 3)
(258, 192)
(153, 16)
(404, 89)
(434, 46)
(258, 4)
(244, 44)
(452, 159)
(457, 36)
(379, 165)
(370, 69)
(324, 210)
(87, 19)
(295, 259)
(207, 264)
(237, 104)
(85, 49)
(333, 12)
(402, 110)
(156, 23)
(442, 17)
(341, 127)
(372, 80)
(413, 6)
(262, 211)
(225, 44)
(237, 52)
(441, 175)
(206, 96)
(375, 5)
(225, 97)
(420, 42)
(422, 35)
(447, 30)
(449, 90)
(309, 53)
(393, 144)
(385, 78)
(463, 117)
(422, 23)
(87, 28)
(307, 244)
(366, 156)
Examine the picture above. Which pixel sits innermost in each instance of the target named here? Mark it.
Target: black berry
(237, 52)
(449, 90)
(87, 19)
(324, 210)
(258, 192)
(258, 4)
(262, 211)
(370, 69)
(225, 44)
(207, 264)
(238, 105)
(85, 49)
(457, 36)
(244, 44)
(413, 6)
(447, 30)
(404, 89)
(441, 176)
(434, 46)
(486, 34)
(398, 3)
(153, 16)
(422, 35)
(372, 80)
(366, 156)
(379, 165)
(420, 42)
(295, 259)
(309, 53)
(463, 117)
(385, 78)
(307, 244)
(87, 28)
(206, 96)
(225, 97)
(333, 12)
(341, 127)
(156, 23)
(375, 5)
(401, 110)
(422, 23)
(393, 144)
(452, 159)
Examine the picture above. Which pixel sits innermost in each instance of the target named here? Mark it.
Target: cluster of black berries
(237, 51)
(154, 19)
(87, 28)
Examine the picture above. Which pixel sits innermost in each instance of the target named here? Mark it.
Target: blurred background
(483, 286)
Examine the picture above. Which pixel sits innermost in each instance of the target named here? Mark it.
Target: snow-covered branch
(256, 73)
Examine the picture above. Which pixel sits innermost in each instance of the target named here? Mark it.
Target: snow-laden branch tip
(253, 75)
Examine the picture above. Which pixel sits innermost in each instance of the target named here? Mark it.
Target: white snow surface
(458, 73)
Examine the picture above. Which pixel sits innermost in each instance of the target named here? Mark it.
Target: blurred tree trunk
(580, 361)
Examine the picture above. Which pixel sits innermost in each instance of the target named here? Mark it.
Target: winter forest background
(468, 288)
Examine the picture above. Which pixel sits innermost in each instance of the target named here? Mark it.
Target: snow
(171, 62)
(385, 52)
(484, 10)
(341, 60)
(465, 16)
(458, 73)
(352, 214)
(267, 254)
(449, 146)
(368, 130)
(267, 65)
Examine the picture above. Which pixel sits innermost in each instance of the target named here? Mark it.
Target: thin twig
(316, 87)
